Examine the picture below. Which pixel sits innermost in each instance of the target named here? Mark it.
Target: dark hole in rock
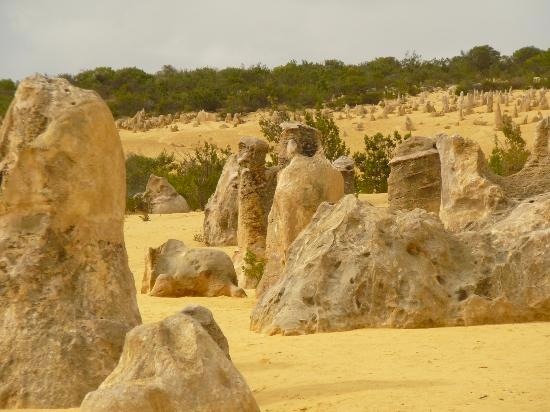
(461, 294)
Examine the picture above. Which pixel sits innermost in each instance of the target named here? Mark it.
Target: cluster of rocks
(262, 209)
(458, 246)
(70, 332)
(142, 121)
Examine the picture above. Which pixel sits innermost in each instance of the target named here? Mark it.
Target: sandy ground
(154, 141)
(482, 368)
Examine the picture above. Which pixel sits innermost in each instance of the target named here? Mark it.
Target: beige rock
(359, 266)
(256, 188)
(498, 117)
(162, 198)
(171, 366)
(67, 297)
(221, 213)
(297, 138)
(415, 177)
(173, 270)
(301, 187)
(346, 166)
(469, 190)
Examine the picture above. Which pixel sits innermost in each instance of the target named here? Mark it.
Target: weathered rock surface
(222, 210)
(346, 166)
(67, 297)
(206, 319)
(359, 266)
(255, 196)
(162, 198)
(470, 192)
(415, 177)
(301, 187)
(173, 270)
(171, 366)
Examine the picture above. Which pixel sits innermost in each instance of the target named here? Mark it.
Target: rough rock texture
(470, 192)
(297, 138)
(162, 198)
(359, 266)
(67, 297)
(256, 187)
(206, 319)
(415, 177)
(174, 270)
(301, 187)
(534, 178)
(346, 166)
(222, 210)
(171, 366)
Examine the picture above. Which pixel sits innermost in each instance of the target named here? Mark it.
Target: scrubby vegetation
(253, 266)
(373, 163)
(7, 90)
(333, 145)
(508, 157)
(195, 176)
(306, 84)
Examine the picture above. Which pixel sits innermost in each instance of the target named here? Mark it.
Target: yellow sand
(154, 141)
(483, 368)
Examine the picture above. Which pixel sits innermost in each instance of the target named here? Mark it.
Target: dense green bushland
(306, 84)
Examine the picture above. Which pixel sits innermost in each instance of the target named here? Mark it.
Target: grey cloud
(59, 36)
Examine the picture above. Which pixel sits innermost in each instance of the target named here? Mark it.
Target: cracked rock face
(67, 297)
(415, 177)
(177, 364)
(301, 187)
(357, 266)
(221, 213)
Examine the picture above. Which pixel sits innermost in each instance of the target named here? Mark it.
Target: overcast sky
(66, 36)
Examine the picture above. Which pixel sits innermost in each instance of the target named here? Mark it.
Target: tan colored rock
(256, 188)
(171, 366)
(67, 297)
(297, 138)
(206, 319)
(173, 270)
(221, 213)
(346, 166)
(359, 266)
(301, 187)
(498, 117)
(470, 192)
(415, 177)
(408, 126)
(162, 198)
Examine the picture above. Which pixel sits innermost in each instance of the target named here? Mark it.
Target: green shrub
(194, 177)
(272, 132)
(333, 145)
(510, 157)
(373, 163)
(253, 266)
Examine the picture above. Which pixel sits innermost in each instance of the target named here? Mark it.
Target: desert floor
(482, 368)
(501, 367)
(154, 141)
